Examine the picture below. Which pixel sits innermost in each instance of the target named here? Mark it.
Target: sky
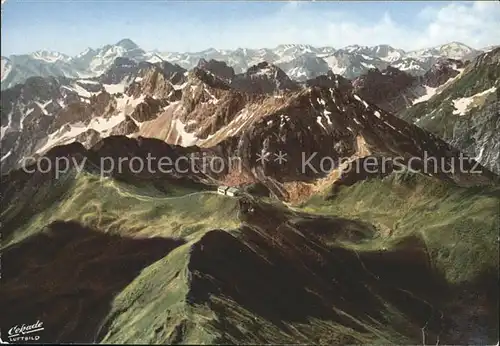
(71, 26)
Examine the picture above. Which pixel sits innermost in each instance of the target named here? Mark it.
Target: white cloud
(474, 23)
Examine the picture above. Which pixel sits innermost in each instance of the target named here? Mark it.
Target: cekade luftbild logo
(25, 332)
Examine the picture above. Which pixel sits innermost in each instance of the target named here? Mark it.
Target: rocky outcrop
(153, 83)
(264, 78)
(123, 70)
(330, 80)
(218, 68)
(442, 71)
(126, 127)
(88, 138)
(148, 109)
(101, 105)
(173, 72)
(390, 89)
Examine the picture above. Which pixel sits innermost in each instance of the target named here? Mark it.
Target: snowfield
(462, 104)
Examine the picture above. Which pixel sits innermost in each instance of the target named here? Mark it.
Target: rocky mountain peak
(330, 80)
(161, 81)
(122, 68)
(201, 63)
(386, 88)
(446, 63)
(456, 50)
(442, 71)
(127, 44)
(264, 78)
(218, 68)
(489, 58)
(50, 56)
(86, 52)
(206, 76)
(123, 62)
(263, 66)
(175, 73)
(384, 49)
(455, 45)
(390, 78)
(328, 121)
(393, 71)
(152, 82)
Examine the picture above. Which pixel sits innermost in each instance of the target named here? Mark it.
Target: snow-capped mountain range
(299, 62)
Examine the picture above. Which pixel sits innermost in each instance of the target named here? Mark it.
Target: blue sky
(71, 26)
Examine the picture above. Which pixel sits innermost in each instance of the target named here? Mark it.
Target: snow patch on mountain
(334, 65)
(462, 105)
(242, 119)
(392, 56)
(68, 133)
(452, 50)
(49, 56)
(6, 68)
(184, 138)
(103, 125)
(368, 66)
(126, 104)
(297, 73)
(62, 136)
(5, 127)
(87, 81)
(78, 89)
(115, 88)
(429, 92)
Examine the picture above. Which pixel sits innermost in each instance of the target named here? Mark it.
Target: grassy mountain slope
(403, 259)
(117, 207)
